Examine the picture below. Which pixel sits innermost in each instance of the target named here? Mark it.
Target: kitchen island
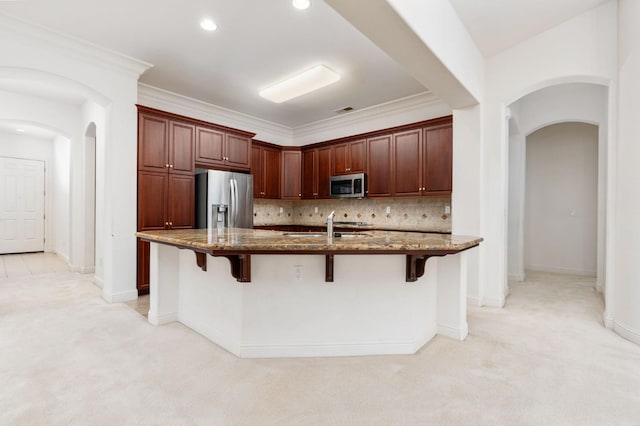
(261, 293)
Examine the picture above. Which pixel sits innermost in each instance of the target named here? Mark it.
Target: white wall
(64, 68)
(61, 218)
(582, 49)
(561, 199)
(622, 307)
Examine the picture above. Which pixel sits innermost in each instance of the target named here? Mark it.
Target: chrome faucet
(330, 225)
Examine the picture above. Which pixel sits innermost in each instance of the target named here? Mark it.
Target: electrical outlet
(315, 209)
(447, 209)
(298, 275)
(388, 209)
(281, 209)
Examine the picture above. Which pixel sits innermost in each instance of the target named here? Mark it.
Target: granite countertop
(237, 240)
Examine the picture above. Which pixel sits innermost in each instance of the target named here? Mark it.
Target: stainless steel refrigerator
(224, 200)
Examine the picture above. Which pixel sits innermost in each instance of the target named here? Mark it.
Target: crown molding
(72, 46)
(421, 106)
(179, 104)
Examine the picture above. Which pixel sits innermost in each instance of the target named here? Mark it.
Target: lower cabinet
(165, 201)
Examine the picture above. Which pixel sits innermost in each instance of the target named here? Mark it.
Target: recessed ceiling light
(20, 130)
(300, 84)
(208, 25)
(301, 4)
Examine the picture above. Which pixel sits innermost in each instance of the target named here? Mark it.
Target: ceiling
(496, 25)
(260, 42)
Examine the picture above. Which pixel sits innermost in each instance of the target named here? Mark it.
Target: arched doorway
(585, 103)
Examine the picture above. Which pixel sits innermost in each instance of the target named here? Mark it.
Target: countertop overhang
(238, 244)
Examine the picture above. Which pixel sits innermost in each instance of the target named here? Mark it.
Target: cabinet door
(379, 166)
(341, 159)
(291, 168)
(309, 173)
(181, 147)
(271, 166)
(257, 171)
(438, 160)
(407, 163)
(181, 202)
(357, 156)
(238, 152)
(209, 146)
(152, 200)
(324, 172)
(153, 150)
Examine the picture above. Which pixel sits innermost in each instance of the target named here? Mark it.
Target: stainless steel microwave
(348, 186)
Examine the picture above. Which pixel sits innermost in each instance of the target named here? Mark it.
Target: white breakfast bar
(260, 293)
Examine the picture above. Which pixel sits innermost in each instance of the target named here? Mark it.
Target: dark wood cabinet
(349, 157)
(438, 160)
(265, 168)
(316, 171)
(209, 146)
(222, 149)
(165, 145)
(153, 149)
(379, 150)
(291, 174)
(407, 163)
(169, 147)
(181, 147)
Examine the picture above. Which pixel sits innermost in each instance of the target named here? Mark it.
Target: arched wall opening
(75, 117)
(567, 102)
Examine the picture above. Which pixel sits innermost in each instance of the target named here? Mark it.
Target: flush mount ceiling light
(20, 130)
(301, 4)
(208, 25)
(300, 84)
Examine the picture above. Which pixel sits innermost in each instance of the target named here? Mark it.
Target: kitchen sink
(324, 235)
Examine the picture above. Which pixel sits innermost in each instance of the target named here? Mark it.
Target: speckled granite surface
(254, 240)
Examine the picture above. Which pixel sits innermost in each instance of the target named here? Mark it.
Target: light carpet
(67, 357)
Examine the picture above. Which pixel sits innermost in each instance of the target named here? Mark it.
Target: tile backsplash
(406, 213)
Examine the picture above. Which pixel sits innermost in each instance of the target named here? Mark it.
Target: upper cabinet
(349, 157)
(165, 145)
(226, 150)
(407, 163)
(411, 162)
(379, 150)
(438, 160)
(265, 168)
(291, 174)
(316, 171)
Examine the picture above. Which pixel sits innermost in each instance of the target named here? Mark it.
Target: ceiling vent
(343, 110)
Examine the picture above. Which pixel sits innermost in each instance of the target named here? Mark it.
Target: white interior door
(21, 205)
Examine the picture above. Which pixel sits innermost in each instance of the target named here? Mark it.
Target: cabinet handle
(299, 195)
(166, 224)
(166, 165)
(171, 166)
(170, 223)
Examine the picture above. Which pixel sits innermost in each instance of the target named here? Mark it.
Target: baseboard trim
(627, 332)
(402, 347)
(124, 296)
(156, 319)
(560, 270)
(473, 301)
(98, 281)
(517, 277)
(458, 333)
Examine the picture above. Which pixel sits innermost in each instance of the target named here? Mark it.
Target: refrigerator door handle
(234, 204)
